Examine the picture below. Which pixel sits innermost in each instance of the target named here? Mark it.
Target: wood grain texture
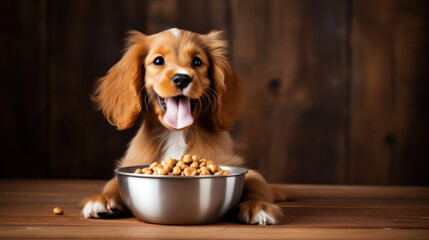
(318, 212)
(196, 15)
(79, 135)
(293, 69)
(23, 88)
(389, 53)
(336, 90)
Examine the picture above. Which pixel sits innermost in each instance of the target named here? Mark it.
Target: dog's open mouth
(177, 111)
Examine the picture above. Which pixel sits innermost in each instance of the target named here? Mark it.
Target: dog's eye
(196, 61)
(159, 61)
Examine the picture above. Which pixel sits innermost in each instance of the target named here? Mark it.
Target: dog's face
(177, 77)
(174, 75)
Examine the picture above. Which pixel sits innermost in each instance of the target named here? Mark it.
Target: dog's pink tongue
(178, 113)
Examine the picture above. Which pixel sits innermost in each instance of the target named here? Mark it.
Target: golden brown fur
(131, 87)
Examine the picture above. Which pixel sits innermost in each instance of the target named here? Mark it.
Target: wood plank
(161, 15)
(23, 90)
(203, 232)
(295, 217)
(355, 191)
(166, 14)
(204, 15)
(410, 49)
(388, 116)
(292, 58)
(82, 143)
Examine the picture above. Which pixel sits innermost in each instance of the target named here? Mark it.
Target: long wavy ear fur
(228, 86)
(118, 93)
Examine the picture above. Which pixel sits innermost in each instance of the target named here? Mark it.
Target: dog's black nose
(181, 80)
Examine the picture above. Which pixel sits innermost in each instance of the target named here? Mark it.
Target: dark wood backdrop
(336, 90)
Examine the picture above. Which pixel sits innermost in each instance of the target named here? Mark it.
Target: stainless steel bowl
(180, 199)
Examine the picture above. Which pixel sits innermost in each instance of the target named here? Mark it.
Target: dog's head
(177, 76)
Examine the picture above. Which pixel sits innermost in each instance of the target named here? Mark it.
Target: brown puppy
(183, 86)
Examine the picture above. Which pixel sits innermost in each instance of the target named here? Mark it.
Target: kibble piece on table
(58, 211)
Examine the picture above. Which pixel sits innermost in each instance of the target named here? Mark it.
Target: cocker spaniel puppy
(183, 86)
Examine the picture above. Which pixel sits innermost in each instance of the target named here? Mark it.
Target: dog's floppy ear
(230, 99)
(118, 93)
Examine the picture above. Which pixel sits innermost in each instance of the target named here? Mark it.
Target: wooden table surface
(320, 212)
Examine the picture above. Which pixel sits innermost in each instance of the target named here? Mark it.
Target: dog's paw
(102, 205)
(259, 212)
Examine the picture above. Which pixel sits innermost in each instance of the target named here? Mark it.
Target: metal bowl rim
(239, 171)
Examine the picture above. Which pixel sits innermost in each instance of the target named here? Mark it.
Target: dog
(183, 86)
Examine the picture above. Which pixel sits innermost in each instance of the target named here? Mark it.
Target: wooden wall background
(337, 90)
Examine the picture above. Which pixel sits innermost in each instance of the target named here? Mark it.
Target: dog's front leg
(257, 202)
(106, 204)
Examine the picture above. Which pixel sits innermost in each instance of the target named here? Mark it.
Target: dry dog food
(184, 166)
(58, 211)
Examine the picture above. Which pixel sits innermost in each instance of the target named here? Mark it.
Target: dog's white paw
(100, 206)
(263, 218)
(258, 212)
